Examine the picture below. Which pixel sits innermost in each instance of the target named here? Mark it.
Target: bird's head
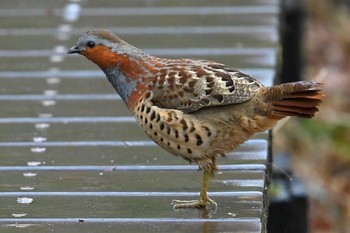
(103, 48)
(125, 66)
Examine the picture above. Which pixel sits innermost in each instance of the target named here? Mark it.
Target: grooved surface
(72, 159)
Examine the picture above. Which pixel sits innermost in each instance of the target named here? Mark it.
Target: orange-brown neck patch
(103, 56)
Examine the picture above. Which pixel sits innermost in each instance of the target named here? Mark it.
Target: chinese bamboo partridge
(195, 109)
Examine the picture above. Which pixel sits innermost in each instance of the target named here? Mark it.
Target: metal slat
(91, 167)
(145, 225)
(144, 11)
(269, 31)
(241, 167)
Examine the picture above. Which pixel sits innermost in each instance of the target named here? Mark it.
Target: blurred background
(320, 148)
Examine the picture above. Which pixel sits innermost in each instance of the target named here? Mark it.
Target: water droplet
(63, 31)
(61, 49)
(26, 188)
(38, 149)
(33, 163)
(50, 92)
(30, 174)
(231, 214)
(20, 225)
(19, 215)
(42, 126)
(48, 102)
(65, 28)
(39, 139)
(71, 12)
(53, 80)
(56, 58)
(24, 200)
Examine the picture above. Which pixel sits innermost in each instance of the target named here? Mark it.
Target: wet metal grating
(71, 153)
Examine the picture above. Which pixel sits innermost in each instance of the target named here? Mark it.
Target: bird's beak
(74, 49)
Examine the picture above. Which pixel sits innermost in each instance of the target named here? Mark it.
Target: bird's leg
(203, 201)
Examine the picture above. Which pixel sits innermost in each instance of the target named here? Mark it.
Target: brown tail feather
(296, 99)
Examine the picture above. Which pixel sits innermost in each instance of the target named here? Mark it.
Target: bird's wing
(201, 84)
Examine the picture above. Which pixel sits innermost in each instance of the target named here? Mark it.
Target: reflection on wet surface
(72, 158)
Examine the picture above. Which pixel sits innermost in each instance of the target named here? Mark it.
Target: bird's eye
(90, 44)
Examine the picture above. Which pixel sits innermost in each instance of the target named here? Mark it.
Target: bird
(194, 108)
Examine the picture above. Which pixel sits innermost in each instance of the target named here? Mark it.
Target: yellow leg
(203, 201)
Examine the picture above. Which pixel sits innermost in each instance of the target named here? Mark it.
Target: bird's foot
(177, 204)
